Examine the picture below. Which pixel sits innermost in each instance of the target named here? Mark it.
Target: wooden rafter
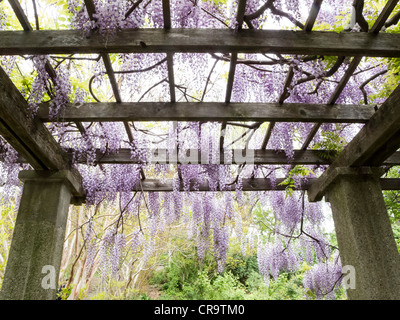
(257, 156)
(211, 111)
(255, 184)
(202, 40)
(21, 16)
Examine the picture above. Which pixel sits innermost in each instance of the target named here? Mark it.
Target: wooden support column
(36, 250)
(364, 233)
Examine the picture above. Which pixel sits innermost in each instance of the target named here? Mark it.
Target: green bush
(255, 281)
(186, 279)
(221, 287)
(242, 266)
(175, 279)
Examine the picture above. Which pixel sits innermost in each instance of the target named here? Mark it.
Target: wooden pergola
(352, 182)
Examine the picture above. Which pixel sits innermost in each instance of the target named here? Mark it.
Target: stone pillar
(37, 245)
(364, 233)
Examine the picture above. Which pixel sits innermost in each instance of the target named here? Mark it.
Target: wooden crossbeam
(201, 40)
(257, 156)
(375, 142)
(28, 136)
(255, 184)
(210, 111)
(236, 156)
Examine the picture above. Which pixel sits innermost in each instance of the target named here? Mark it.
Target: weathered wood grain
(261, 157)
(211, 111)
(256, 184)
(236, 156)
(202, 40)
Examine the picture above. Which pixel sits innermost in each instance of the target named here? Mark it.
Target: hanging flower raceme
(323, 279)
(275, 257)
(39, 87)
(61, 92)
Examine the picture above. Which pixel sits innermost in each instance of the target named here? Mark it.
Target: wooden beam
(383, 127)
(288, 81)
(231, 78)
(260, 157)
(268, 134)
(375, 142)
(332, 100)
(228, 94)
(210, 111)
(28, 136)
(201, 40)
(171, 76)
(114, 86)
(255, 184)
(343, 82)
(311, 136)
(111, 76)
(316, 6)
